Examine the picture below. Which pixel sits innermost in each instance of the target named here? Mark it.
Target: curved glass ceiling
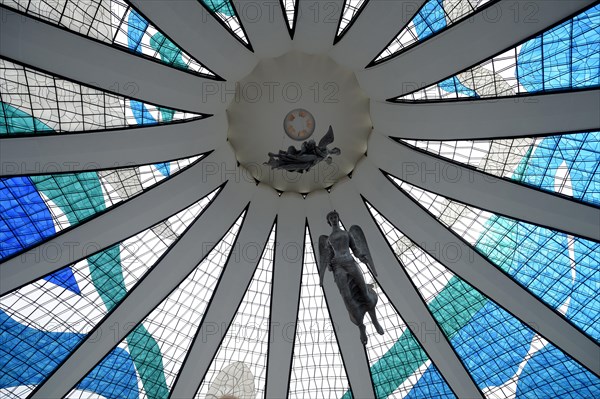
(164, 282)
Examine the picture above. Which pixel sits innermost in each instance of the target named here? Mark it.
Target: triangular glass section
(33, 102)
(558, 268)
(432, 18)
(398, 361)
(158, 345)
(239, 368)
(501, 354)
(351, 10)
(289, 7)
(115, 23)
(225, 11)
(317, 367)
(566, 57)
(36, 207)
(564, 163)
(42, 322)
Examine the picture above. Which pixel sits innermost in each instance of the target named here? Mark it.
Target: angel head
(333, 218)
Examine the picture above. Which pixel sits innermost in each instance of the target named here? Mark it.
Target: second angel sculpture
(334, 253)
(308, 156)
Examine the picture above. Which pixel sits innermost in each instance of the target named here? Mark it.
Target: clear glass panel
(158, 345)
(317, 366)
(240, 366)
(351, 10)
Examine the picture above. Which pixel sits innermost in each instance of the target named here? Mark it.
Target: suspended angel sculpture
(306, 157)
(334, 252)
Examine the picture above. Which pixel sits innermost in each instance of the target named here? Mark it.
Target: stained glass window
(113, 22)
(290, 12)
(433, 17)
(493, 345)
(225, 11)
(32, 102)
(246, 340)
(568, 164)
(158, 345)
(48, 318)
(566, 57)
(317, 366)
(351, 10)
(558, 268)
(36, 207)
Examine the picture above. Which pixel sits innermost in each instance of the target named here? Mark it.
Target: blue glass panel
(551, 374)
(27, 356)
(24, 217)
(544, 261)
(567, 56)
(453, 85)
(581, 154)
(136, 26)
(430, 19)
(431, 385)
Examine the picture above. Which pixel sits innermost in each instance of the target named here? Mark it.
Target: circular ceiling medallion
(333, 133)
(299, 124)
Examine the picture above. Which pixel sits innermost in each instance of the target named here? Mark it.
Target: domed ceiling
(167, 168)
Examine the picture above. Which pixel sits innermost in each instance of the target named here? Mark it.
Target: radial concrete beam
(110, 149)
(483, 190)
(482, 119)
(123, 221)
(199, 33)
(285, 294)
(58, 51)
(316, 25)
(424, 229)
(487, 33)
(397, 286)
(265, 26)
(168, 273)
(229, 293)
(377, 24)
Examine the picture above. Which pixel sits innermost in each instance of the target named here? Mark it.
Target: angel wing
(327, 139)
(325, 256)
(358, 244)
